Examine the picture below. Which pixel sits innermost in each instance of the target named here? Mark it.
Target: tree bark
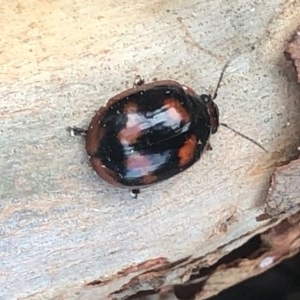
(67, 234)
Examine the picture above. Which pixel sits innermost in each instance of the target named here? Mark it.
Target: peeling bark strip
(258, 255)
(292, 51)
(277, 244)
(161, 261)
(148, 282)
(284, 193)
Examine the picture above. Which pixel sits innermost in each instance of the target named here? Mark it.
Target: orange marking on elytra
(130, 133)
(130, 108)
(148, 179)
(176, 110)
(186, 152)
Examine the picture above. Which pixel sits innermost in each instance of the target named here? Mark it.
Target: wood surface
(65, 234)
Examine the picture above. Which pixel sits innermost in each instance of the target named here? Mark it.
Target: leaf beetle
(151, 132)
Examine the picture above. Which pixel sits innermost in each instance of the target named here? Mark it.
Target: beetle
(150, 132)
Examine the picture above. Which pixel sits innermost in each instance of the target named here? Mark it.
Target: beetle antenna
(245, 136)
(215, 94)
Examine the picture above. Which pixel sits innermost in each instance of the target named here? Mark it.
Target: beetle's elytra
(150, 133)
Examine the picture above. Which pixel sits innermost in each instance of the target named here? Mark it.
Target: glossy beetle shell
(150, 133)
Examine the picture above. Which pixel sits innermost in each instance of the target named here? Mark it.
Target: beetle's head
(213, 112)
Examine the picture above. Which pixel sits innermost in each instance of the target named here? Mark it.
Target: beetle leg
(75, 131)
(134, 193)
(138, 81)
(208, 147)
